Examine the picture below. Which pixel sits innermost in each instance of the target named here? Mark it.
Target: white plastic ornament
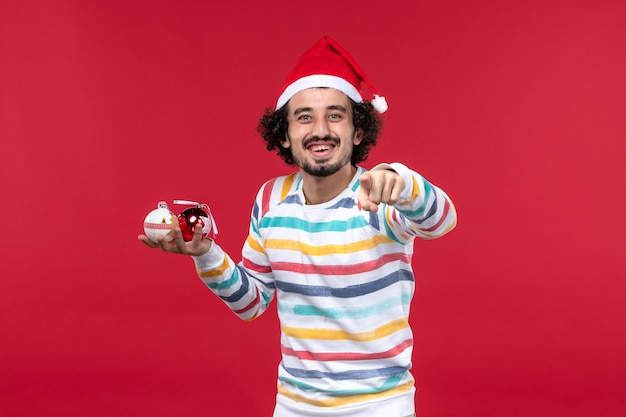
(158, 222)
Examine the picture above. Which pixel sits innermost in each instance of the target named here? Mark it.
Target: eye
(304, 118)
(335, 116)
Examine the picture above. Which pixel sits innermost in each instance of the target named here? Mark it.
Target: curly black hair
(273, 129)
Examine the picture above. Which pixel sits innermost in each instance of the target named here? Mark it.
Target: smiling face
(321, 133)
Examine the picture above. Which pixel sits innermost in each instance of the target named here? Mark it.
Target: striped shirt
(343, 281)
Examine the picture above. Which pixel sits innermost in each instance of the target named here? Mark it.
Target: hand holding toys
(161, 220)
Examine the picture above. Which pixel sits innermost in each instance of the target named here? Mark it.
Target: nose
(321, 128)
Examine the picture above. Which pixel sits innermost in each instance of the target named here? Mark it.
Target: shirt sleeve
(423, 210)
(247, 287)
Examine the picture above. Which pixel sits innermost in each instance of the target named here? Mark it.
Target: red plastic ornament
(197, 216)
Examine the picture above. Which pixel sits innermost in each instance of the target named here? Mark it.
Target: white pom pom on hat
(327, 64)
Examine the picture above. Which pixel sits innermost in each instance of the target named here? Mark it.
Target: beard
(321, 168)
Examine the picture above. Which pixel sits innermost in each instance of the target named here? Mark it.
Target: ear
(358, 136)
(285, 143)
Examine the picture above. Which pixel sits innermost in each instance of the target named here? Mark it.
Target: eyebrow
(331, 107)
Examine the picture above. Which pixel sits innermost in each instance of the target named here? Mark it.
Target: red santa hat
(327, 64)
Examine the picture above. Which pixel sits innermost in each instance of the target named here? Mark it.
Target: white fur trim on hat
(318, 80)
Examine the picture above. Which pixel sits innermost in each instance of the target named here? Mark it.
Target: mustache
(313, 139)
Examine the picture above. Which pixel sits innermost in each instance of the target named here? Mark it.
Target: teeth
(320, 148)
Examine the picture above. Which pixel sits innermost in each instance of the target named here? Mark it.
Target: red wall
(516, 109)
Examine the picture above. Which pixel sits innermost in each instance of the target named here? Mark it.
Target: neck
(318, 190)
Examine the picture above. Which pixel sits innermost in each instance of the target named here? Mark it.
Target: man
(333, 242)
